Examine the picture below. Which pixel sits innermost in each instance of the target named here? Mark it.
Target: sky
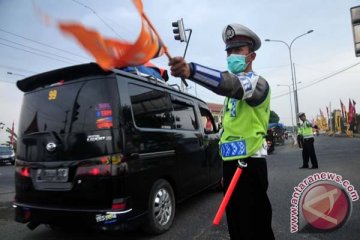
(326, 67)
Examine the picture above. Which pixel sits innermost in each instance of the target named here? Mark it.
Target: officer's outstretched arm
(253, 89)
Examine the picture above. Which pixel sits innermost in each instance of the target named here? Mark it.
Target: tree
(274, 118)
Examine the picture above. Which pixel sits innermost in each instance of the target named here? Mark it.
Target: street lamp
(292, 69)
(291, 109)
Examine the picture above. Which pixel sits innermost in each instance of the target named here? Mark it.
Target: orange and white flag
(111, 53)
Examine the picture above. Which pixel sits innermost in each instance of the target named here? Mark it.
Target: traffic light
(355, 21)
(179, 30)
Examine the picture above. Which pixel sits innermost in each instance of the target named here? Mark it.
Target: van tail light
(23, 171)
(94, 170)
(96, 167)
(119, 204)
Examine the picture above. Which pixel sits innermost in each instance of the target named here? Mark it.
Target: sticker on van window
(104, 113)
(52, 95)
(104, 122)
(103, 106)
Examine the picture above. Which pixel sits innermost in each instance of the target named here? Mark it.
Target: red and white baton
(229, 192)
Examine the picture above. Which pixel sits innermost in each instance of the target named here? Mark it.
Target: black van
(105, 149)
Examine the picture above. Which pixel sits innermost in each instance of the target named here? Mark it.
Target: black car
(6, 155)
(110, 149)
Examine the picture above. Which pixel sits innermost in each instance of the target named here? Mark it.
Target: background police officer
(306, 131)
(246, 117)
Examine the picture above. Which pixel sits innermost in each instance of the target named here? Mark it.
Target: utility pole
(293, 77)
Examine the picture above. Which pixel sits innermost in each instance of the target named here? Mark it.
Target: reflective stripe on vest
(231, 149)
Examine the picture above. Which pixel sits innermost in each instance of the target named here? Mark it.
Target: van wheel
(161, 208)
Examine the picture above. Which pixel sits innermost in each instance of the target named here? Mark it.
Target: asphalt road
(193, 218)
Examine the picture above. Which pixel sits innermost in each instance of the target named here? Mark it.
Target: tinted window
(73, 107)
(184, 116)
(151, 108)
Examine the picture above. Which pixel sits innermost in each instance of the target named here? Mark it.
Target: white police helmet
(237, 35)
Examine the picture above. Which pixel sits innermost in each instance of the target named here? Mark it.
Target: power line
(271, 67)
(125, 27)
(17, 69)
(44, 44)
(329, 76)
(281, 95)
(42, 51)
(7, 82)
(97, 15)
(321, 79)
(35, 53)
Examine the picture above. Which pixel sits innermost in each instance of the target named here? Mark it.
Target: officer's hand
(179, 67)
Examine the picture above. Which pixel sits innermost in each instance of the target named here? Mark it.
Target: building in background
(217, 111)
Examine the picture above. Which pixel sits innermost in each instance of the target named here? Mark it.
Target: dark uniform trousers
(249, 210)
(309, 151)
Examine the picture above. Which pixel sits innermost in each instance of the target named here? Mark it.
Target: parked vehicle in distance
(7, 155)
(286, 134)
(278, 133)
(110, 149)
(270, 141)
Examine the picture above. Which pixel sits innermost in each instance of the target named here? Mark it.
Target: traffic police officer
(246, 117)
(307, 136)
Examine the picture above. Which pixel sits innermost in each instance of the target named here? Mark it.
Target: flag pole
(161, 41)
(157, 34)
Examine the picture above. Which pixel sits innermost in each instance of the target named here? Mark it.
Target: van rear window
(72, 107)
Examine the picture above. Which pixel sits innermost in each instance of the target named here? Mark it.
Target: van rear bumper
(99, 218)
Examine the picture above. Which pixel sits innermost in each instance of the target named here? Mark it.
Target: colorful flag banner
(351, 112)
(338, 121)
(354, 111)
(327, 111)
(111, 53)
(343, 109)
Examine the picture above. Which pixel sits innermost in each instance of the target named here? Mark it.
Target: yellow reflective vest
(306, 129)
(245, 128)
